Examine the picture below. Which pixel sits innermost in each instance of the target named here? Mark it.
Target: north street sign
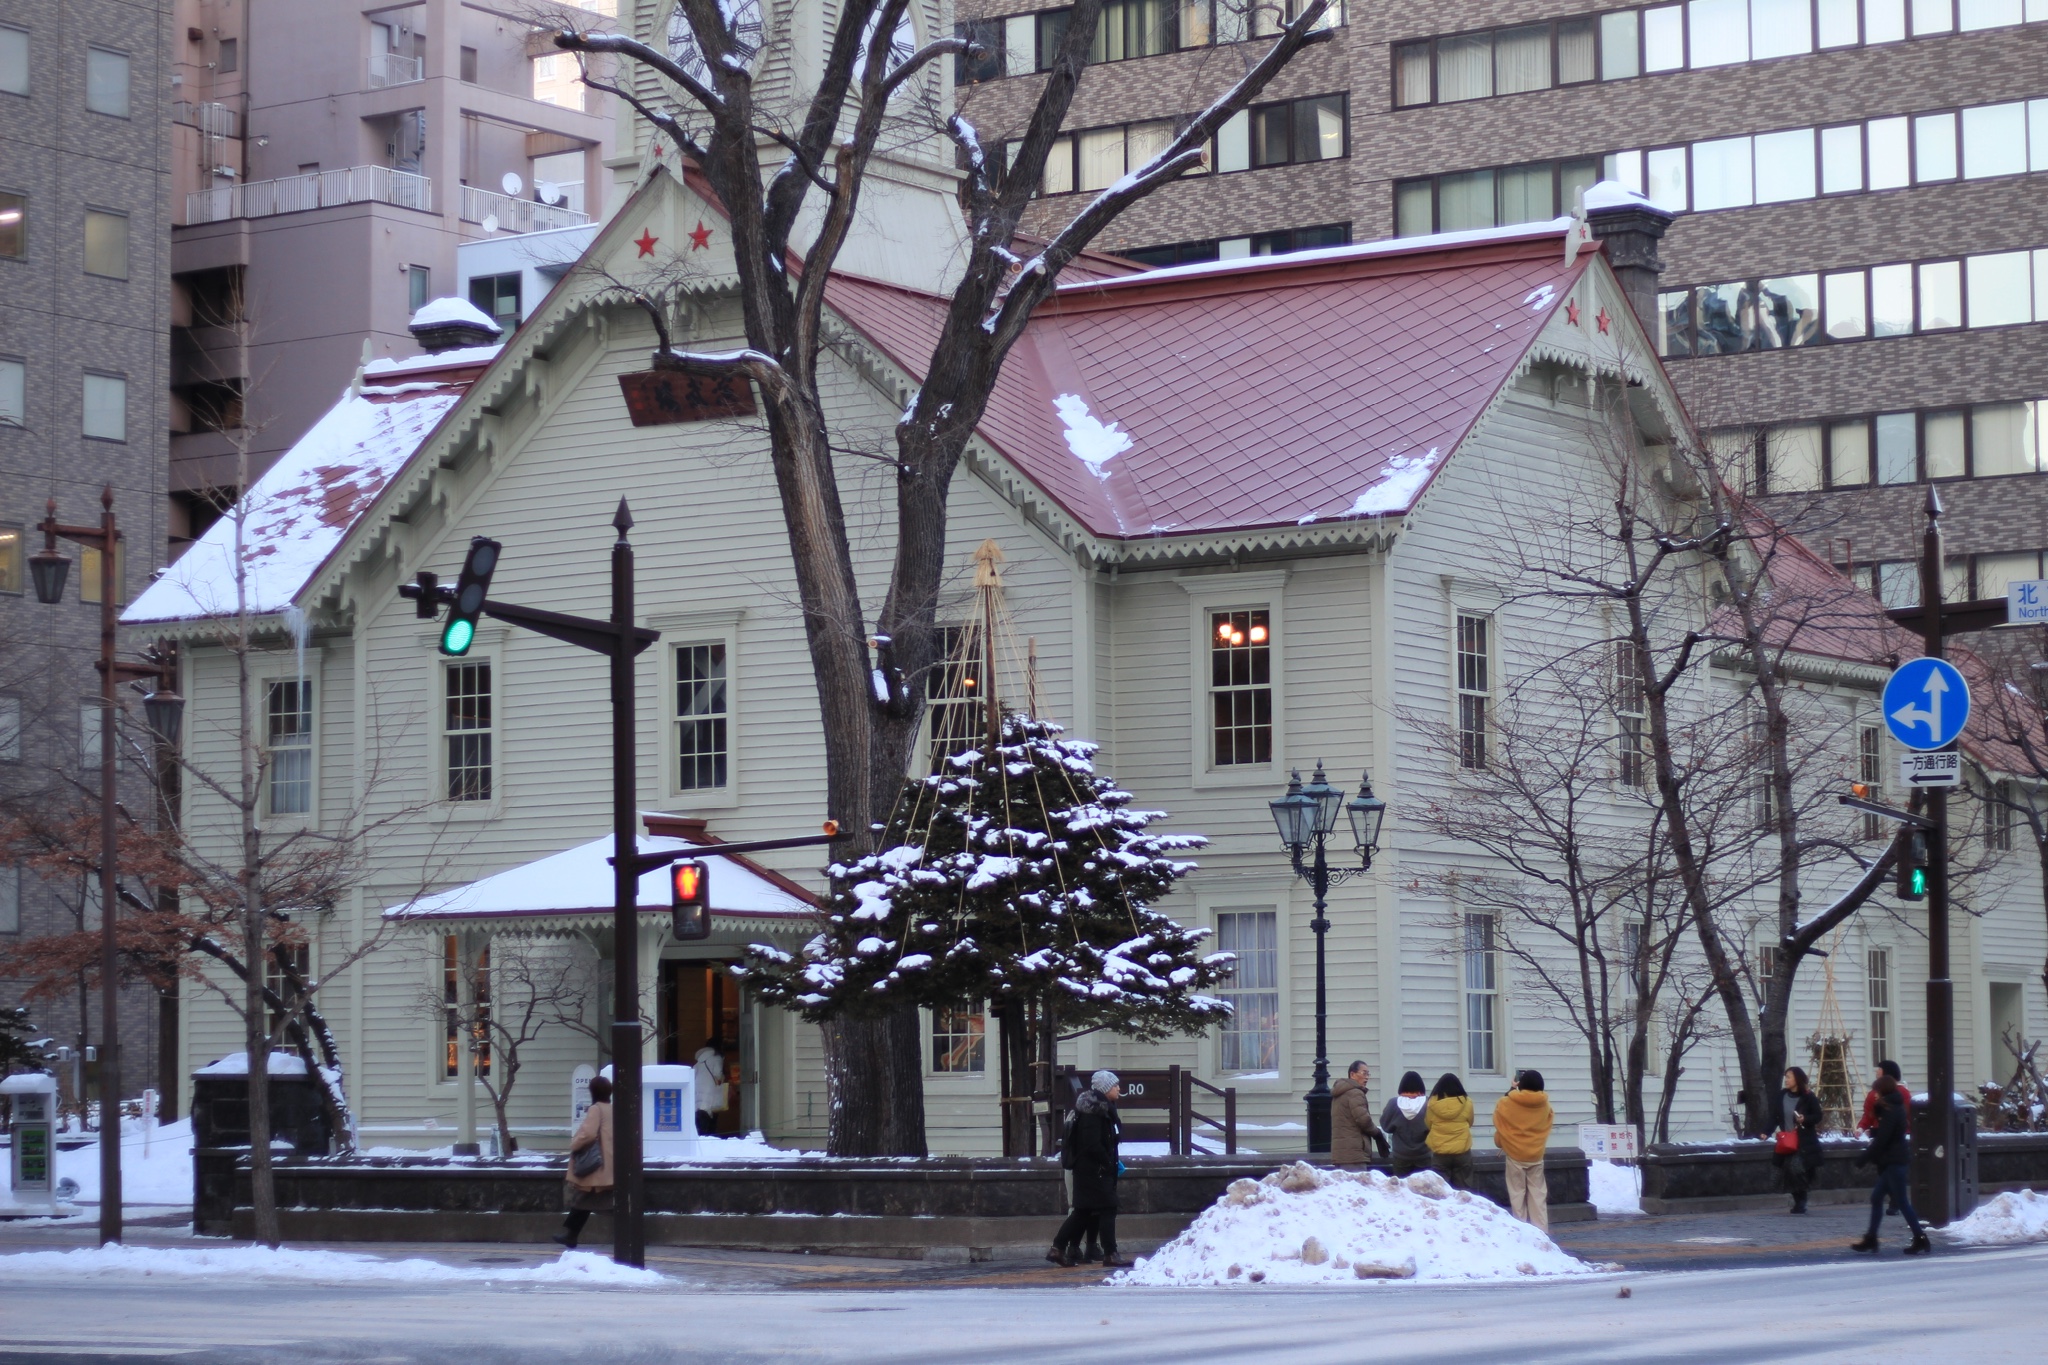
(2026, 602)
(1926, 703)
(1942, 768)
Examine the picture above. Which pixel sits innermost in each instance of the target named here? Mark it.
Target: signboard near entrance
(1608, 1142)
(1942, 768)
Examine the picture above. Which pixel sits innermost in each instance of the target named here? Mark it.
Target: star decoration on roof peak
(1571, 311)
(1603, 320)
(645, 241)
(701, 238)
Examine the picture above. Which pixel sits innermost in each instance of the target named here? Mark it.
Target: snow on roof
(1277, 392)
(459, 358)
(443, 312)
(578, 881)
(1612, 194)
(292, 519)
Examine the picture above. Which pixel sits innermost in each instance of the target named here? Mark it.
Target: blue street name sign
(1926, 703)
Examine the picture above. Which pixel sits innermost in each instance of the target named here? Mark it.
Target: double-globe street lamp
(165, 711)
(1306, 817)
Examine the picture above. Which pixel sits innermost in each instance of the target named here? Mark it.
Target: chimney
(1629, 227)
(452, 324)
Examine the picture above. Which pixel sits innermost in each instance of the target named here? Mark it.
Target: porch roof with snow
(572, 890)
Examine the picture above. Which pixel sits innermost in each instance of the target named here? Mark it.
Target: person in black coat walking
(1799, 1116)
(1090, 1152)
(1891, 1151)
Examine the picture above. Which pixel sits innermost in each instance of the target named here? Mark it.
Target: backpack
(1067, 1144)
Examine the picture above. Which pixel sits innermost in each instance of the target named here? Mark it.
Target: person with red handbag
(1797, 1150)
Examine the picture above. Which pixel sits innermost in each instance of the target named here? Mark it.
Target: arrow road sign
(1942, 768)
(1926, 703)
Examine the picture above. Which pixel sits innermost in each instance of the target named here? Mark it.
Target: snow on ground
(2007, 1220)
(156, 1165)
(292, 1263)
(1302, 1225)
(1617, 1191)
(710, 1151)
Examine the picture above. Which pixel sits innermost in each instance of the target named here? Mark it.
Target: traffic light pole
(1941, 1000)
(629, 1228)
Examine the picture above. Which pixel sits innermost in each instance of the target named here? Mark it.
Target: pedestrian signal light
(690, 899)
(1913, 869)
(471, 589)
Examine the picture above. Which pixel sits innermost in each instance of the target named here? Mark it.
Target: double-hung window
(467, 727)
(1240, 688)
(1632, 716)
(959, 1039)
(1870, 772)
(1474, 688)
(1482, 995)
(955, 715)
(1878, 963)
(288, 739)
(1250, 1039)
(479, 1011)
(702, 737)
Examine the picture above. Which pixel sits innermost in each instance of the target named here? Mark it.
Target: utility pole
(1941, 995)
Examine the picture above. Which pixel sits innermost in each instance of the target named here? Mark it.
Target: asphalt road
(1976, 1307)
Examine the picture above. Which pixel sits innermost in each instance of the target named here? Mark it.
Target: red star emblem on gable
(1603, 320)
(1571, 311)
(645, 241)
(701, 238)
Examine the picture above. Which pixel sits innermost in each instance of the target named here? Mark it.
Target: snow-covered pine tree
(1022, 878)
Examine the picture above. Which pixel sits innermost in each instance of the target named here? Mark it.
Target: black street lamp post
(1306, 817)
(164, 710)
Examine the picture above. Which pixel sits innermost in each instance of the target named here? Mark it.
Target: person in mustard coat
(1521, 1129)
(1450, 1131)
(592, 1193)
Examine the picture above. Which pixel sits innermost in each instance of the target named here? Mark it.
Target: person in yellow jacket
(1450, 1131)
(1521, 1129)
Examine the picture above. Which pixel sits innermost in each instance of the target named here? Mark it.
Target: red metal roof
(1268, 392)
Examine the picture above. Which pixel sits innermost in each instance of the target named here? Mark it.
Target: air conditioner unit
(229, 171)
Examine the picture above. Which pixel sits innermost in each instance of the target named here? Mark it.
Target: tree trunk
(1013, 1046)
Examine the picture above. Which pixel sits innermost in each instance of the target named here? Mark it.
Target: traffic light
(690, 899)
(470, 591)
(1913, 868)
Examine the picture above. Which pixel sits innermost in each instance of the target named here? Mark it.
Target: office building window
(13, 225)
(89, 718)
(959, 1039)
(106, 244)
(1280, 243)
(498, 297)
(467, 730)
(702, 747)
(288, 744)
(106, 82)
(468, 62)
(229, 60)
(1240, 688)
(10, 729)
(13, 60)
(1879, 998)
(1482, 995)
(105, 410)
(10, 900)
(13, 393)
(1474, 688)
(89, 573)
(419, 286)
(1250, 1039)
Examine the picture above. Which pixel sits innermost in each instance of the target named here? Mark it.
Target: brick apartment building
(1858, 272)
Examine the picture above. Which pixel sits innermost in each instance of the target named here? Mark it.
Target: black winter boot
(1868, 1242)
(1921, 1246)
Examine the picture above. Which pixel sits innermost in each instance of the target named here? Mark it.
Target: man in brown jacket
(1351, 1121)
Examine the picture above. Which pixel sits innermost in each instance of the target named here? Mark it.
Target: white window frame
(700, 628)
(492, 732)
(1252, 591)
(1889, 980)
(1496, 992)
(1489, 695)
(84, 416)
(442, 1087)
(1632, 749)
(1280, 907)
(984, 1080)
(487, 647)
(269, 682)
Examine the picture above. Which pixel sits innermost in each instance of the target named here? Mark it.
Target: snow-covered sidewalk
(327, 1267)
(1305, 1225)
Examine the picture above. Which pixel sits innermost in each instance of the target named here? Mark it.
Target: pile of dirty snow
(2013, 1217)
(292, 1263)
(1304, 1225)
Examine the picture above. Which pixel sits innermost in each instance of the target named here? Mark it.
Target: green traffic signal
(457, 637)
(472, 590)
(1916, 882)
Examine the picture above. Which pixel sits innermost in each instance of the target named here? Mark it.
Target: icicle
(301, 628)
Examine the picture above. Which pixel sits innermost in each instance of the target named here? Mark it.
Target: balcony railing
(314, 190)
(388, 68)
(516, 215)
(211, 117)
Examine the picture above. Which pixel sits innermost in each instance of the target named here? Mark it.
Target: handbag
(587, 1160)
(1787, 1144)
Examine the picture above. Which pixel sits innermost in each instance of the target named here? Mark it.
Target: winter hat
(1101, 1081)
(1891, 1069)
(1411, 1083)
(1531, 1080)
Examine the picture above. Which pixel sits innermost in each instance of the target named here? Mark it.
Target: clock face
(742, 17)
(901, 46)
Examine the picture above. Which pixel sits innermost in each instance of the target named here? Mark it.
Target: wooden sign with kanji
(660, 397)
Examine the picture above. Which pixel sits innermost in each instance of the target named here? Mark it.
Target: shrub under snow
(2013, 1217)
(1305, 1225)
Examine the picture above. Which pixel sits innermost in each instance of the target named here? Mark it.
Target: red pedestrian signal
(690, 899)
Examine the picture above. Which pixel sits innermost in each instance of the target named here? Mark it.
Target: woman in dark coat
(1407, 1126)
(1891, 1151)
(1799, 1114)
(1090, 1153)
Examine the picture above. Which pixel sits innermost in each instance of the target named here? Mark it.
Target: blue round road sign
(1926, 703)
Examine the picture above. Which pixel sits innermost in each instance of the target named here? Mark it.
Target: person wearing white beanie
(1090, 1152)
